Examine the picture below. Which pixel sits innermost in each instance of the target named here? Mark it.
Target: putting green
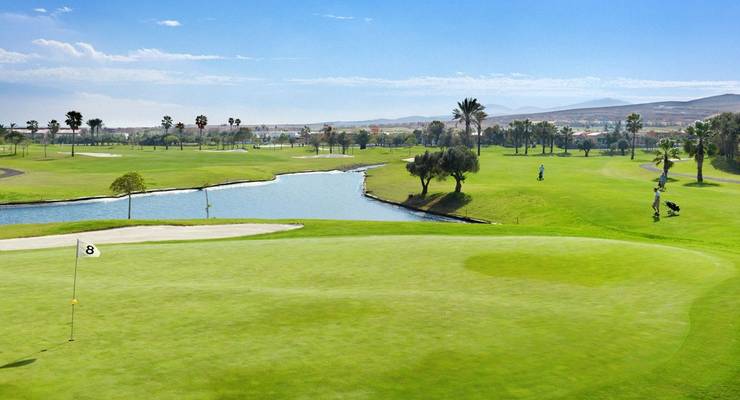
(368, 317)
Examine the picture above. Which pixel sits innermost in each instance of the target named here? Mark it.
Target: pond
(320, 195)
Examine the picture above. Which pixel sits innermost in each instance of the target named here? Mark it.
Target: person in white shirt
(656, 202)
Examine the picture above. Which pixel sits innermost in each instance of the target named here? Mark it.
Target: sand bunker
(327, 156)
(101, 155)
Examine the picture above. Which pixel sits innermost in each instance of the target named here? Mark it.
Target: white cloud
(519, 84)
(339, 17)
(368, 19)
(82, 50)
(155, 54)
(62, 48)
(170, 23)
(63, 10)
(12, 57)
(58, 75)
(40, 10)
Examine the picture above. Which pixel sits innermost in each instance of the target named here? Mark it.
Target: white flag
(85, 249)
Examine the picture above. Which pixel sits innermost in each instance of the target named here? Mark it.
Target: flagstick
(74, 292)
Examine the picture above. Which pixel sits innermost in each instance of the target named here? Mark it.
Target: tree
(494, 135)
(316, 142)
(586, 145)
(435, 130)
(697, 148)
(330, 136)
(201, 121)
(166, 124)
(362, 139)
(180, 129)
(238, 123)
(231, 124)
(516, 133)
(32, 126)
(457, 161)
(53, 127)
(566, 133)
(479, 117)
(527, 134)
(426, 166)
(727, 126)
(15, 138)
(345, 141)
(94, 124)
(127, 184)
(623, 145)
(306, 135)
(666, 150)
(52, 130)
(465, 113)
(634, 124)
(73, 121)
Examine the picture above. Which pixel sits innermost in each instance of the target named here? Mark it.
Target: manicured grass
(62, 177)
(576, 293)
(337, 317)
(597, 193)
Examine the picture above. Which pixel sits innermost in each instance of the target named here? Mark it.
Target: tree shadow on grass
(564, 154)
(19, 363)
(702, 184)
(446, 203)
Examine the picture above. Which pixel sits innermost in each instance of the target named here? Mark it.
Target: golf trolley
(673, 208)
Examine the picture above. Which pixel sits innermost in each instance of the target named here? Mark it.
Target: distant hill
(591, 112)
(660, 113)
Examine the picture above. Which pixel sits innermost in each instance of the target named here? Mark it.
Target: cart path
(651, 167)
(134, 234)
(7, 172)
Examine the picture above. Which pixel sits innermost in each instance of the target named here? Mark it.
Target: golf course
(573, 291)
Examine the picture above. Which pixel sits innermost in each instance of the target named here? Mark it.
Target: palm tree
(465, 113)
(201, 121)
(74, 120)
(98, 125)
(703, 132)
(306, 134)
(634, 124)
(666, 150)
(92, 124)
(567, 133)
(32, 126)
(479, 117)
(330, 136)
(527, 132)
(166, 124)
(231, 123)
(180, 128)
(53, 129)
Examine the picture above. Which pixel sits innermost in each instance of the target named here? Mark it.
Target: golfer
(541, 175)
(656, 202)
(662, 180)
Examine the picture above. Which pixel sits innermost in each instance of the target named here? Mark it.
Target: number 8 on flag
(87, 250)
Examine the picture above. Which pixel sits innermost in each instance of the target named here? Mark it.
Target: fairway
(450, 317)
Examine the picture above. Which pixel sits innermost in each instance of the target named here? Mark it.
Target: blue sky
(292, 62)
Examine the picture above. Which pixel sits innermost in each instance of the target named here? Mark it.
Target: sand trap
(225, 151)
(133, 234)
(408, 159)
(327, 156)
(102, 155)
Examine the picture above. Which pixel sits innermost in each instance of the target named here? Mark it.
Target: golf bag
(673, 208)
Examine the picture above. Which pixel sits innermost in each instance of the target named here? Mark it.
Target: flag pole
(74, 292)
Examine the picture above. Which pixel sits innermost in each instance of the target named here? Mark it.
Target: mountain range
(590, 112)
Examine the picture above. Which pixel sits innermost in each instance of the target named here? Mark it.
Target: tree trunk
(552, 144)
(424, 187)
(129, 206)
(73, 142)
(458, 185)
(665, 165)
(200, 140)
(634, 136)
(478, 142)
